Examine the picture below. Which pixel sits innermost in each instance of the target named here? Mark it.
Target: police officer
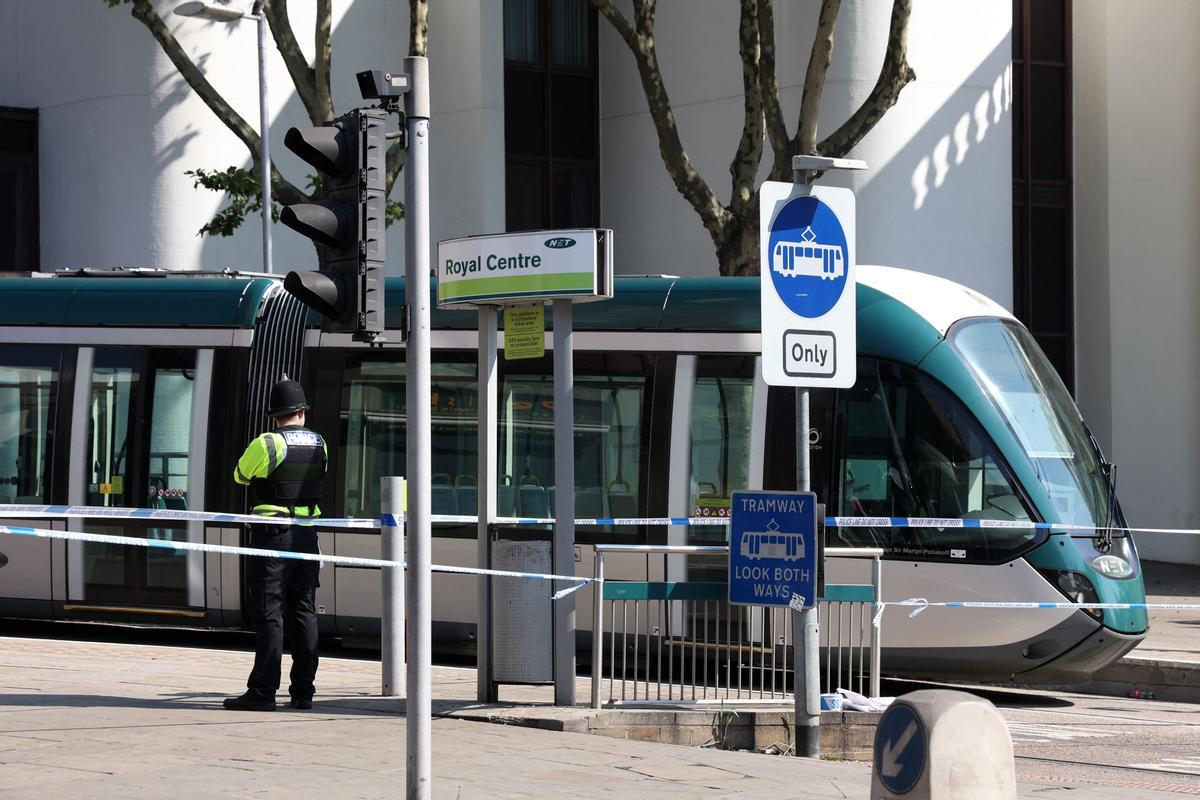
(284, 469)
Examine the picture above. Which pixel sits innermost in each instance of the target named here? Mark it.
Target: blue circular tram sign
(808, 257)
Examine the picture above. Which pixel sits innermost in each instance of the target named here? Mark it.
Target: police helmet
(287, 397)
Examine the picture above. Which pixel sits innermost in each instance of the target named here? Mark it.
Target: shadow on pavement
(206, 702)
(1014, 698)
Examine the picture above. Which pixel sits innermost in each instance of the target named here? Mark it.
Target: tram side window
(722, 410)
(912, 450)
(722, 407)
(113, 391)
(134, 435)
(373, 405)
(374, 419)
(609, 436)
(28, 392)
(611, 405)
(170, 434)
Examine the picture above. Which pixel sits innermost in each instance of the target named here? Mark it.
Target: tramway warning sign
(773, 549)
(807, 285)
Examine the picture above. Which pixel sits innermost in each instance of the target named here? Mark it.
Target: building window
(551, 114)
(18, 190)
(1043, 252)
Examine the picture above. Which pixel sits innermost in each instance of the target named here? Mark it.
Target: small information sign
(773, 549)
(524, 332)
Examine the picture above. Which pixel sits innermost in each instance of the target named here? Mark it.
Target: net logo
(560, 243)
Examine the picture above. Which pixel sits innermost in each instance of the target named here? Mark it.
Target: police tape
(956, 522)
(920, 604)
(24, 511)
(19, 511)
(346, 561)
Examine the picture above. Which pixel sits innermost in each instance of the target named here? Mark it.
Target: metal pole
(806, 631)
(264, 128)
(419, 772)
(598, 628)
(564, 503)
(485, 690)
(391, 511)
(876, 633)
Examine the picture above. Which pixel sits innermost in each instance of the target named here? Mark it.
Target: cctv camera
(375, 83)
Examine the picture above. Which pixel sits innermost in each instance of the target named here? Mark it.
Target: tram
(808, 258)
(140, 388)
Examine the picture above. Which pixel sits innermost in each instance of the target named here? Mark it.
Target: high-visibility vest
(285, 470)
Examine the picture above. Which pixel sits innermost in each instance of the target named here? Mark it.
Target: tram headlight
(1077, 588)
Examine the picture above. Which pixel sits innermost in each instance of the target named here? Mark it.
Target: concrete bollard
(939, 744)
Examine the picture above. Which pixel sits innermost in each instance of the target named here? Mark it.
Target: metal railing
(682, 643)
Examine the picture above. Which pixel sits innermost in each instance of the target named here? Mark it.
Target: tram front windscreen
(1033, 400)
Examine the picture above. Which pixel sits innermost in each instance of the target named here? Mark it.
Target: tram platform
(100, 719)
(1167, 663)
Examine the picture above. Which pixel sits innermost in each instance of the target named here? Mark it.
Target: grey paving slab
(95, 720)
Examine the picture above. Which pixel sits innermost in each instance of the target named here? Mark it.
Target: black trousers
(283, 599)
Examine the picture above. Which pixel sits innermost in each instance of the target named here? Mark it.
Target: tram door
(138, 439)
(717, 448)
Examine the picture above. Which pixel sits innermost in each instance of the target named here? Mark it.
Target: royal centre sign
(519, 267)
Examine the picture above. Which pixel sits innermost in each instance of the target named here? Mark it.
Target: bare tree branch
(744, 168)
(618, 20)
(686, 178)
(323, 56)
(814, 78)
(768, 81)
(894, 75)
(418, 27)
(144, 12)
(303, 76)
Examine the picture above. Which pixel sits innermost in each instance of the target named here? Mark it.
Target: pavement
(89, 719)
(1174, 635)
(101, 720)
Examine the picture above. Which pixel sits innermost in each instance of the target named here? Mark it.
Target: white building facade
(117, 128)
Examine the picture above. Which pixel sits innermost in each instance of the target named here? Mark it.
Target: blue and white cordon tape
(387, 520)
(18, 511)
(918, 604)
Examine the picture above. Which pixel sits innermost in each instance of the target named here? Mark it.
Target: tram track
(1110, 775)
(1122, 767)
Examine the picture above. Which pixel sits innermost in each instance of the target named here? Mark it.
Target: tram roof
(208, 300)
(890, 322)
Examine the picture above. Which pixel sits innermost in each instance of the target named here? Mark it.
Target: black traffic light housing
(348, 224)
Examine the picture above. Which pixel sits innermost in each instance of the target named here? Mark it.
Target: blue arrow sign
(773, 549)
(900, 748)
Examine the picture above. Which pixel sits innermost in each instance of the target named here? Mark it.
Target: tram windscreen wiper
(1104, 537)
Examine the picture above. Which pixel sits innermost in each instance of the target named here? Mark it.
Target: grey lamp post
(258, 14)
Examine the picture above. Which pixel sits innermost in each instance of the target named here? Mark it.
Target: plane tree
(733, 223)
(311, 82)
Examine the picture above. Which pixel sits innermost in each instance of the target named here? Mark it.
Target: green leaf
(244, 193)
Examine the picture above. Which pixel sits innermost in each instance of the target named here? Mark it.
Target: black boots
(251, 701)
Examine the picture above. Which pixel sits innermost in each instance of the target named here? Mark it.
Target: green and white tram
(136, 388)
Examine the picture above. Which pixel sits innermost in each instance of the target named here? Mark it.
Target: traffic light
(347, 225)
